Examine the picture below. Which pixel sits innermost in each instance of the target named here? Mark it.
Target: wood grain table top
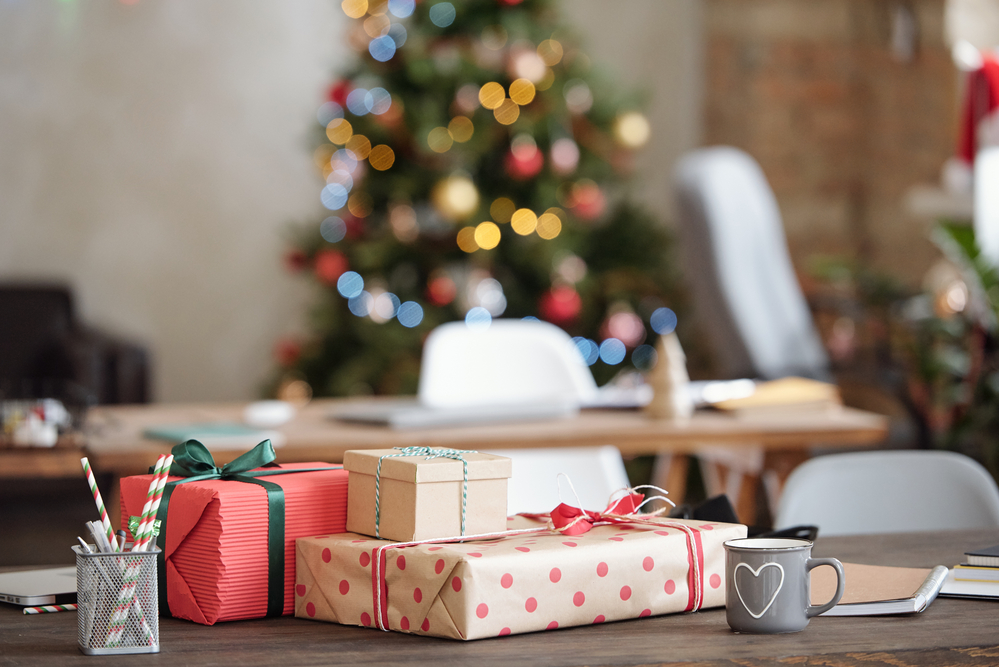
(951, 632)
(115, 440)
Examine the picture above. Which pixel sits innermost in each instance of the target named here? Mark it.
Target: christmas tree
(474, 168)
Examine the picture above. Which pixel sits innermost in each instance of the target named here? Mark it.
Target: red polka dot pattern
(670, 587)
(365, 559)
(401, 562)
(504, 632)
(626, 592)
(578, 599)
(506, 581)
(417, 595)
(602, 569)
(531, 605)
(616, 539)
(714, 581)
(344, 586)
(456, 584)
(404, 623)
(599, 619)
(426, 625)
(300, 589)
(522, 549)
(569, 544)
(434, 548)
(310, 609)
(475, 555)
(553, 625)
(555, 575)
(439, 566)
(365, 618)
(482, 610)
(648, 564)
(645, 612)
(327, 556)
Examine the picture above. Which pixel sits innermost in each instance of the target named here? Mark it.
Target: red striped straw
(50, 608)
(144, 533)
(105, 522)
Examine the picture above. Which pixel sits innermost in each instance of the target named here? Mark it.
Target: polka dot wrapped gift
(521, 581)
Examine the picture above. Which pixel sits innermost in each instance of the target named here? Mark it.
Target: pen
(86, 547)
(121, 540)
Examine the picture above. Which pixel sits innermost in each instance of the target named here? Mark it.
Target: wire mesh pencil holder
(118, 603)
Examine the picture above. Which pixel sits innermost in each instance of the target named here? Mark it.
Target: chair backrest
(35, 323)
(889, 492)
(511, 362)
(595, 473)
(740, 271)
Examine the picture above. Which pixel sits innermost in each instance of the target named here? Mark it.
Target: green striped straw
(49, 608)
(105, 522)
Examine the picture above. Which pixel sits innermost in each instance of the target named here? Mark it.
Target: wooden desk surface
(951, 631)
(115, 439)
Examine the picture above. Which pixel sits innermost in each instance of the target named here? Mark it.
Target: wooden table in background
(952, 632)
(116, 446)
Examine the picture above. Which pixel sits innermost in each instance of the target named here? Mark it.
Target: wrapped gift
(420, 493)
(518, 582)
(228, 533)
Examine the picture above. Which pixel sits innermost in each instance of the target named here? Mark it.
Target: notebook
(976, 590)
(987, 556)
(406, 413)
(875, 590)
(968, 572)
(53, 585)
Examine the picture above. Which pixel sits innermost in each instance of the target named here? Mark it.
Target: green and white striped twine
(430, 453)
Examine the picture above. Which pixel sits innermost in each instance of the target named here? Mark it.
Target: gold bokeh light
(491, 95)
(456, 197)
(631, 129)
(377, 7)
(487, 235)
(507, 112)
(466, 239)
(376, 26)
(461, 129)
(502, 209)
(524, 221)
(360, 146)
(522, 91)
(359, 204)
(322, 155)
(355, 9)
(549, 226)
(439, 140)
(381, 157)
(550, 51)
(339, 131)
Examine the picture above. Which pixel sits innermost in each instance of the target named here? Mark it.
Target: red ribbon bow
(570, 520)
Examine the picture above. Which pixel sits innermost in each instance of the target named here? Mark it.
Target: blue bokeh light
(344, 159)
(357, 102)
(398, 33)
(401, 8)
(361, 304)
(329, 112)
(381, 101)
(587, 349)
(644, 357)
(382, 48)
(612, 351)
(350, 284)
(333, 229)
(410, 314)
(663, 321)
(478, 318)
(530, 318)
(334, 196)
(442, 14)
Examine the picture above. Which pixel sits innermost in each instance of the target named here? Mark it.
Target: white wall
(153, 154)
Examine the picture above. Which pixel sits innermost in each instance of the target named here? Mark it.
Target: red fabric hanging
(981, 99)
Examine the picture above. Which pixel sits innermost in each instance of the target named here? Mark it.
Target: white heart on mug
(756, 573)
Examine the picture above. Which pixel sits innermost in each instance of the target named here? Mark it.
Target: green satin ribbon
(193, 461)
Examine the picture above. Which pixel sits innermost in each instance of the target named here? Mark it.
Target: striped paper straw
(50, 608)
(105, 522)
(126, 595)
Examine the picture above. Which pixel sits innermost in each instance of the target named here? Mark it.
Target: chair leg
(669, 472)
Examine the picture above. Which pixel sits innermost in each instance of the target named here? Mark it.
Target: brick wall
(841, 127)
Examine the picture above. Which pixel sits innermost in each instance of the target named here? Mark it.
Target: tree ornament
(329, 265)
(669, 382)
(560, 305)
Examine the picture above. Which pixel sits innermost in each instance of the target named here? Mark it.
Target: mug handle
(815, 610)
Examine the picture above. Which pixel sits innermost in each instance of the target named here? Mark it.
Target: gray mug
(767, 586)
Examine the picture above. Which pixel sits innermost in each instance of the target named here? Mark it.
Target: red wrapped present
(592, 570)
(228, 533)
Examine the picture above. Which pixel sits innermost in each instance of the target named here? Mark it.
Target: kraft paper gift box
(216, 561)
(419, 493)
(521, 583)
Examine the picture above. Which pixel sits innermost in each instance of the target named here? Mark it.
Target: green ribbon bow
(193, 461)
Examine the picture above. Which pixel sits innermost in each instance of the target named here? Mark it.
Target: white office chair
(889, 492)
(511, 362)
(595, 472)
(748, 299)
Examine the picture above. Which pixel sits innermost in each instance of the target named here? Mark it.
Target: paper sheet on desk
(868, 583)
